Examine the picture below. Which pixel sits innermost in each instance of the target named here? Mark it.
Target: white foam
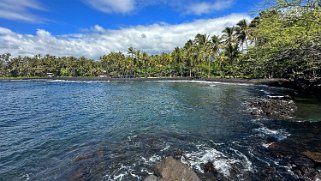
(221, 162)
(26, 176)
(144, 170)
(280, 134)
(153, 159)
(166, 147)
(265, 92)
(76, 81)
(119, 177)
(246, 162)
(274, 97)
(120, 173)
(267, 145)
(261, 160)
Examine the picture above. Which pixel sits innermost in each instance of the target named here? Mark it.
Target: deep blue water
(56, 130)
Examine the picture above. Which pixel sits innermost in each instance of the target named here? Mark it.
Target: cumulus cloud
(112, 6)
(20, 10)
(155, 38)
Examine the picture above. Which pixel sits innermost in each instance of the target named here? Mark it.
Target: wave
(223, 164)
(280, 134)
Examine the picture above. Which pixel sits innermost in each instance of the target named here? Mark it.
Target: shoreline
(222, 80)
(305, 88)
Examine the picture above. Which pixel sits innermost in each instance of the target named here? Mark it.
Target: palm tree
(188, 47)
(242, 31)
(214, 47)
(131, 51)
(232, 52)
(231, 45)
(177, 57)
(202, 43)
(145, 59)
(228, 35)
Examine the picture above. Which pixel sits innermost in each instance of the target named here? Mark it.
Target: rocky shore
(305, 166)
(277, 107)
(304, 87)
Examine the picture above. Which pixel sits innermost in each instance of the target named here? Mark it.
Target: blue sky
(96, 27)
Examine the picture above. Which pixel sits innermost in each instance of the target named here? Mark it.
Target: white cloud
(112, 6)
(155, 38)
(183, 6)
(200, 8)
(20, 10)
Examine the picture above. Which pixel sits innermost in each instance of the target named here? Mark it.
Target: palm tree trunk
(209, 67)
(247, 48)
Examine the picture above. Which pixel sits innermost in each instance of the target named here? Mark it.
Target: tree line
(283, 41)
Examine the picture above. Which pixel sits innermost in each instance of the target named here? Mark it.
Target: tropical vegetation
(283, 41)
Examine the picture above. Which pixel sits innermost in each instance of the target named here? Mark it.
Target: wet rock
(273, 146)
(209, 168)
(153, 178)
(171, 169)
(276, 107)
(303, 167)
(315, 156)
(178, 154)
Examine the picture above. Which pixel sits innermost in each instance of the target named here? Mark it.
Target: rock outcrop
(314, 156)
(153, 178)
(171, 169)
(278, 107)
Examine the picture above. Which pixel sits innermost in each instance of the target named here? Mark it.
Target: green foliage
(284, 41)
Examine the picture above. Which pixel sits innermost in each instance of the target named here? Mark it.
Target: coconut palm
(202, 43)
(145, 58)
(214, 48)
(228, 35)
(188, 47)
(242, 31)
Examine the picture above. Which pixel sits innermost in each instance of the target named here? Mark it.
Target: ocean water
(62, 130)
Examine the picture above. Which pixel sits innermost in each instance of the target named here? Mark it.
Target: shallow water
(58, 130)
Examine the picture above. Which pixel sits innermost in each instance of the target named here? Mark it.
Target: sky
(92, 28)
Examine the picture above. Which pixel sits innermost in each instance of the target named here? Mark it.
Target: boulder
(315, 156)
(171, 169)
(153, 178)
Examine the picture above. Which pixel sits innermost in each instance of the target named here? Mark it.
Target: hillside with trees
(283, 41)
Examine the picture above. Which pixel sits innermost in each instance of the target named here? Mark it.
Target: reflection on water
(117, 131)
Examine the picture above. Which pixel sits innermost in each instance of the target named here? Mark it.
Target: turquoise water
(56, 130)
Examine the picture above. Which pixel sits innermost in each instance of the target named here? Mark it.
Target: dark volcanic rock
(279, 107)
(171, 169)
(209, 168)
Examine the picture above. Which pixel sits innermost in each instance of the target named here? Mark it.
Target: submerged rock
(171, 169)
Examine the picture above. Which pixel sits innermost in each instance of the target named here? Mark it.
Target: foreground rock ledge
(315, 156)
(171, 169)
